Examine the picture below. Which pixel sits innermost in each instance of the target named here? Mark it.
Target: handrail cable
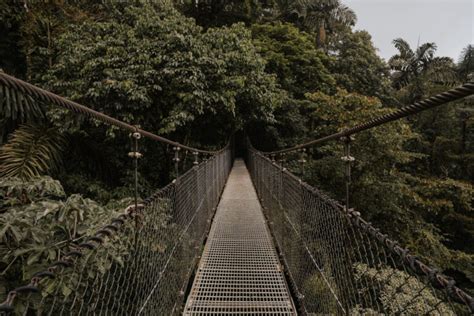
(275, 186)
(39, 93)
(454, 94)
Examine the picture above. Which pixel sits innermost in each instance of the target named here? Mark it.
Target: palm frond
(466, 63)
(404, 48)
(442, 70)
(312, 14)
(345, 16)
(31, 151)
(17, 106)
(298, 8)
(398, 63)
(426, 52)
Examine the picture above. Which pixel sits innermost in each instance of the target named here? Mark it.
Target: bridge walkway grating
(239, 272)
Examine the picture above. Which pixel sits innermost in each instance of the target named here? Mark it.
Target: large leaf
(31, 151)
(17, 108)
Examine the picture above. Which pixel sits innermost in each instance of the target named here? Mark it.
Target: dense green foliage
(358, 68)
(31, 151)
(392, 295)
(281, 72)
(37, 221)
(293, 57)
(162, 71)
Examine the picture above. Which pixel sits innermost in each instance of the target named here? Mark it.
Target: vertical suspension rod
(348, 159)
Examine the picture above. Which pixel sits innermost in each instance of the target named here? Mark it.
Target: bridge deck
(239, 272)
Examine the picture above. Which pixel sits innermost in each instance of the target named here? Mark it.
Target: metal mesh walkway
(239, 272)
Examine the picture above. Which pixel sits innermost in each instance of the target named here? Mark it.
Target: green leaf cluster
(30, 152)
(282, 72)
(38, 223)
(162, 71)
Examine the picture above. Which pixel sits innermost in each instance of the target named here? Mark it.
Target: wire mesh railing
(337, 263)
(140, 263)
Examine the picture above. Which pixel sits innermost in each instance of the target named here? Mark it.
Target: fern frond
(31, 151)
(17, 106)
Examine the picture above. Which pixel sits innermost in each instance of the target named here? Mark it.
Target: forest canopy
(280, 72)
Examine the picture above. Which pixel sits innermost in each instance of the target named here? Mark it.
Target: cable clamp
(347, 158)
(135, 155)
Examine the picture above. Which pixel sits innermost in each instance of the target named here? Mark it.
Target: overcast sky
(448, 23)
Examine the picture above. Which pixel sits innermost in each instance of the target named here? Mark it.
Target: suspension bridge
(238, 236)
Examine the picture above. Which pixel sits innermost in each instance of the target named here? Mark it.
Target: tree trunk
(50, 55)
(321, 35)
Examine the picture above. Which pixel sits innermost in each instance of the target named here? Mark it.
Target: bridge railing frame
(302, 218)
(187, 205)
(436, 279)
(165, 236)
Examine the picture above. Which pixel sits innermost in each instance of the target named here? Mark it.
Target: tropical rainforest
(280, 72)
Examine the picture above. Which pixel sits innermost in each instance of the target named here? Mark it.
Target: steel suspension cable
(347, 259)
(154, 265)
(454, 94)
(46, 96)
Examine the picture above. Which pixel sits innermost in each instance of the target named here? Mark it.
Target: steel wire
(340, 264)
(49, 97)
(130, 270)
(454, 94)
